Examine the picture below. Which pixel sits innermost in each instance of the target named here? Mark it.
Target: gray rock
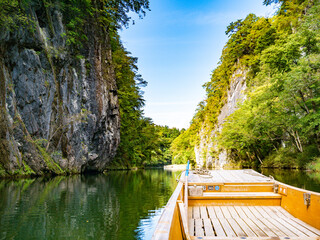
(207, 146)
(63, 114)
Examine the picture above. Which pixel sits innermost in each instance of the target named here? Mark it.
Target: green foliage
(142, 142)
(12, 14)
(182, 147)
(314, 165)
(166, 137)
(280, 119)
(109, 15)
(281, 113)
(51, 164)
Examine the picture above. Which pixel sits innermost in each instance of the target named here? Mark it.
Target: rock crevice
(59, 109)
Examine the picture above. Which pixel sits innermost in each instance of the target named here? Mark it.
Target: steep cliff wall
(59, 108)
(207, 152)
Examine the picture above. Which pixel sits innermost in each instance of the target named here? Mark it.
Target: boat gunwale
(164, 225)
(297, 188)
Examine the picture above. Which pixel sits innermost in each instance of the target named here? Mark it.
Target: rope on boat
(204, 173)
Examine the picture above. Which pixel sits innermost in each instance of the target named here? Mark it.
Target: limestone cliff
(59, 110)
(206, 151)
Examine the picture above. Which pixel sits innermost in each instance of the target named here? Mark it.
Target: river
(116, 205)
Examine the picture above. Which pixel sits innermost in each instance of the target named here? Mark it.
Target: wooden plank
(191, 226)
(208, 227)
(240, 212)
(236, 228)
(248, 231)
(196, 212)
(272, 227)
(233, 212)
(263, 227)
(248, 212)
(237, 176)
(168, 217)
(293, 202)
(203, 212)
(211, 212)
(291, 228)
(199, 201)
(256, 228)
(237, 195)
(216, 177)
(184, 219)
(199, 228)
(283, 211)
(227, 228)
(218, 228)
(285, 232)
(310, 228)
(236, 187)
(223, 179)
(274, 212)
(255, 212)
(227, 176)
(252, 238)
(300, 227)
(218, 212)
(225, 212)
(261, 210)
(190, 215)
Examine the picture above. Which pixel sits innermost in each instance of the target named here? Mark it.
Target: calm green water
(297, 178)
(118, 205)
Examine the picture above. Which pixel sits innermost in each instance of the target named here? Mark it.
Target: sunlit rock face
(206, 152)
(59, 108)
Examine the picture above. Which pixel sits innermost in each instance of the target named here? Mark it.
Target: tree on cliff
(278, 124)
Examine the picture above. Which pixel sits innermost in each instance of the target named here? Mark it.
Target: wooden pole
(186, 190)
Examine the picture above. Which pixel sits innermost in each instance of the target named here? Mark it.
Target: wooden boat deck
(245, 222)
(238, 204)
(229, 176)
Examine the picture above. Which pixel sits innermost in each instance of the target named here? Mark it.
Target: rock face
(59, 109)
(207, 154)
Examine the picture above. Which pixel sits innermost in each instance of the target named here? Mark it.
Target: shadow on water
(116, 205)
(298, 178)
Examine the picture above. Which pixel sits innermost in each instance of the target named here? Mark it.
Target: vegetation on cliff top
(142, 142)
(278, 124)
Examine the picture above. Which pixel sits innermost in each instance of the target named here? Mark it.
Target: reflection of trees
(82, 207)
(297, 178)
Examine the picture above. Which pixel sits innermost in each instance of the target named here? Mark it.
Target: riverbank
(175, 167)
(312, 167)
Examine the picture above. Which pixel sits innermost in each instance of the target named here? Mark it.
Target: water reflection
(297, 178)
(117, 205)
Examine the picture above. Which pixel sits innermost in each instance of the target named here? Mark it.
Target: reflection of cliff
(206, 151)
(62, 207)
(80, 207)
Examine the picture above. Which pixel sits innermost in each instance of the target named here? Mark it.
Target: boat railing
(183, 206)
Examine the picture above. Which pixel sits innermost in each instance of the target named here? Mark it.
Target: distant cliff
(276, 123)
(207, 153)
(59, 109)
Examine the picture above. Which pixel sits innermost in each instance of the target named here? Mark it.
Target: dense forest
(141, 141)
(276, 123)
(71, 95)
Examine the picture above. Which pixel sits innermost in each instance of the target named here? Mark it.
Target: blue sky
(178, 44)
